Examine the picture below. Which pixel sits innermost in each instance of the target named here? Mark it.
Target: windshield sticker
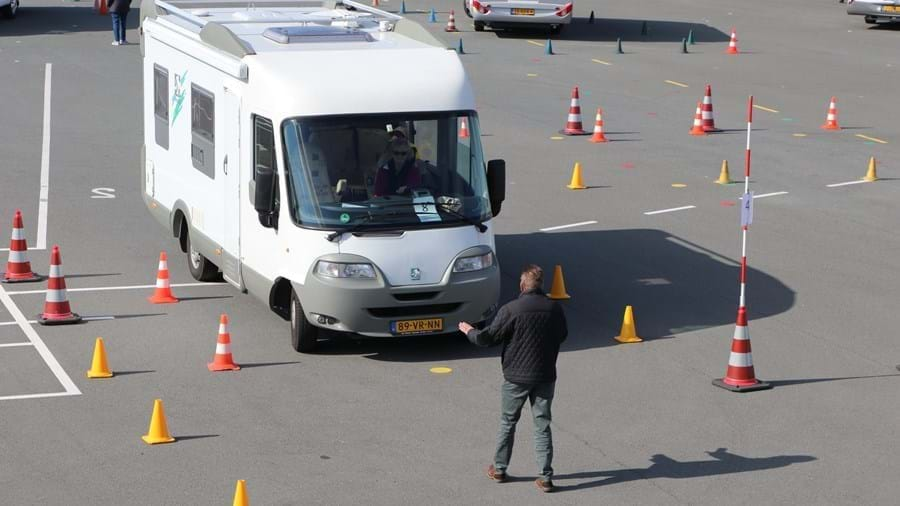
(423, 203)
(345, 218)
(178, 95)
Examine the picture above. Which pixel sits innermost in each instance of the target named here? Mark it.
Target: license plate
(891, 8)
(523, 12)
(424, 326)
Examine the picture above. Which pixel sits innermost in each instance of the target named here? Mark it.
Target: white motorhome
(324, 157)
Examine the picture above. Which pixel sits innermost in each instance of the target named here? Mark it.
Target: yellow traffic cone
(627, 334)
(99, 367)
(240, 494)
(724, 178)
(871, 176)
(558, 288)
(577, 183)
(158, 431)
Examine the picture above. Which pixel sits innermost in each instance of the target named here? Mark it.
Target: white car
(518, 13)
(875, 10)
(8, 8)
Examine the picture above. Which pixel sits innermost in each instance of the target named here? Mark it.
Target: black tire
(871, 20)
(200, 266)
(555, 30)
(304, 336)
(466, 8)
(479, 26)
(9, 11)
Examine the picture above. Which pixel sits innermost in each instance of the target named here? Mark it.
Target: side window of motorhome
(161, 105)
(264, 140)
(203, 131)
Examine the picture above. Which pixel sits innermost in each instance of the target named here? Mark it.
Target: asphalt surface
(365, 422)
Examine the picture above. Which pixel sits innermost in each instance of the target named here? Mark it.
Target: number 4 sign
(747, 209)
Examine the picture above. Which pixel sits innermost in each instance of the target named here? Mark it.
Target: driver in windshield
(400, 173)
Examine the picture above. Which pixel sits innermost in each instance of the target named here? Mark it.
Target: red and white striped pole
(740, 375)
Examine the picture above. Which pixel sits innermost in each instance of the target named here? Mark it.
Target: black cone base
(759, 385)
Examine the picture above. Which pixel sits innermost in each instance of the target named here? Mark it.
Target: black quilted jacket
(530, 328)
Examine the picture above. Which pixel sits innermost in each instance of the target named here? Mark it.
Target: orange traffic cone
(163, 292)
(831, 120)
(628, 334)
(732, 44)
(159, 431)
(573, 121)
(56, 305)
(740, 376)
(709, 123)
(451, 23)
(576, 183)
(871, 173)
(698, 122)
(222, 360)
(240, 494)
(99, 367)
(103, 11)
(598, 128)
(558, 288)
(463, 129)
(374, 3)
(18, 268)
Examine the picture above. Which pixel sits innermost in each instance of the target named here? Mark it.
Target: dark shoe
(494, 475)
(544, 485)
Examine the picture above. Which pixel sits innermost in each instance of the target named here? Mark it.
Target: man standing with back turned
(530, 328)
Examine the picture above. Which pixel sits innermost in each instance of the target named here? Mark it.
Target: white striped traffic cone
(163, 292)
(573, 121)
(732, 44)
(598, 128)
(740, 376)
(18, 268)
(709, 123)
(697, 129)
(222, 360)
(463, 129)
(451, 23)
(831, 122)
(56, 305)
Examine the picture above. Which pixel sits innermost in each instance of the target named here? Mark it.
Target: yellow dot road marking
(873, 139)
(441, 370)
(679, 185)
(601, 62)
(799, 135)
(761, 108)
(556, 138)
(536, 43)
(676, 83)
(531, 75)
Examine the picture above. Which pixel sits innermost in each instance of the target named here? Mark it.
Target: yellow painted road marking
(601, 62)
(799, 135)
(679, 185)
(536, 43)
(676, 83)
(556, 138)
(873, 139)
(532, 75)
(761, 108)
(441, 370)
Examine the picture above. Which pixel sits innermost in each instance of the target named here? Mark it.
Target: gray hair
(532, 277)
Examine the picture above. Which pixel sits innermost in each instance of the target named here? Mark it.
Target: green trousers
(512, 398)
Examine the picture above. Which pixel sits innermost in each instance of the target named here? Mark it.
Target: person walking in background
(531, 329)
(118, 11)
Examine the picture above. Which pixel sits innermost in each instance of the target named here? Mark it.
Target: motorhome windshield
(394, 171)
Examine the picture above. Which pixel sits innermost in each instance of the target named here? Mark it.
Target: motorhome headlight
(476, 263)
(342, 270)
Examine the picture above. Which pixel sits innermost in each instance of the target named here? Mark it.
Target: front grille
(404, 311)
(406, 297)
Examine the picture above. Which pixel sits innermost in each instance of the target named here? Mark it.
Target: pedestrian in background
(530, 328)
(118, 11)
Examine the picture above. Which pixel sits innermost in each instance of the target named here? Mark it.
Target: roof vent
(315, 33)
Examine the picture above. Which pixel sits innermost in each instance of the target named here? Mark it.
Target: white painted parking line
(560, 227)
(108, 288)
(835, 185)
(49, 359)
(682, 208)
(764, 195)
(12, 345)
(36, 396)
(45, 164)
(83, 318)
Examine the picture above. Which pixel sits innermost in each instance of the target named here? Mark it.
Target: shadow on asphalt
(128, 373)
(673, 285)
(79, 17)
(723, 462)
(98, 275)
(784, 383)
(629, 30)
(251, 365)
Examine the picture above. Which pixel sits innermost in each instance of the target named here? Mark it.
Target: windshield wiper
(445, 206)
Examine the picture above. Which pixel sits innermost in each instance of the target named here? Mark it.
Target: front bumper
(367, 307)
(873, 9)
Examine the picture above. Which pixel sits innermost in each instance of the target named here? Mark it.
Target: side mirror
(496, 175)
(264, 198)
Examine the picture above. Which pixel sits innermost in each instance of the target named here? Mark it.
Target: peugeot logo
(415, 274)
